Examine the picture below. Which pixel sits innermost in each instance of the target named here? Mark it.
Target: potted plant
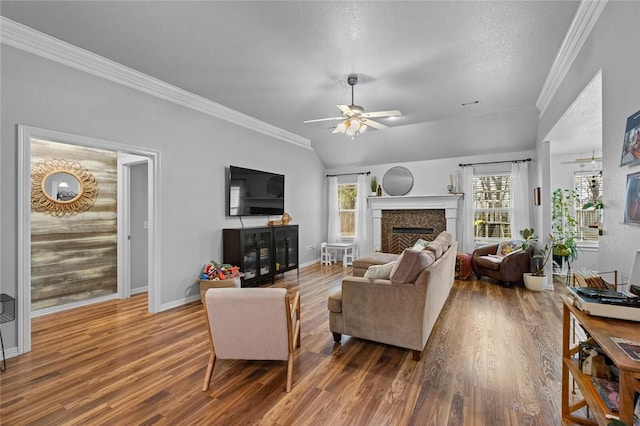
(535, 280)
(374, 185)
(564, 226)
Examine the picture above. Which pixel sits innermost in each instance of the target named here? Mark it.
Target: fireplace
(412, 217)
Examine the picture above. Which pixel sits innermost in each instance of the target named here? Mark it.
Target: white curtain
(361, 212)
(467, 210)
(519, 198)
(333, 226)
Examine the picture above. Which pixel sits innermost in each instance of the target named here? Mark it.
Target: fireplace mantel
(450, 203)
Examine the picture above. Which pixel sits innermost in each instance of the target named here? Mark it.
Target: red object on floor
(463, 266)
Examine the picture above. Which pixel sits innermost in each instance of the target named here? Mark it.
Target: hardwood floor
(492, 359)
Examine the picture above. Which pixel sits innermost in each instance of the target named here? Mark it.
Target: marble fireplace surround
(450, 203)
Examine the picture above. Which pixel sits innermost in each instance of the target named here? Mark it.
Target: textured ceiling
(286, 62)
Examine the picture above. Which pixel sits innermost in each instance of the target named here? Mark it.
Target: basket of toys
(217, 275)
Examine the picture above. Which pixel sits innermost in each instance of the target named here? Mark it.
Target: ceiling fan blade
(373, 124)
(391, 113)
(323, 119)
(345, 109)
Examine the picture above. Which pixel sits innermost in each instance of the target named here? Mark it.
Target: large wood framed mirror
(62, 187)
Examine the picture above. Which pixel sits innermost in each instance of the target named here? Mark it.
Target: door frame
(125, 161)
(25, 135)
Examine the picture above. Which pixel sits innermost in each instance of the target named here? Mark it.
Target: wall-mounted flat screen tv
(255, 192)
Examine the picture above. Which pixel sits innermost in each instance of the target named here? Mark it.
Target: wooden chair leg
(290, 372)
(416, 355)
(337, 337)
(207, 375)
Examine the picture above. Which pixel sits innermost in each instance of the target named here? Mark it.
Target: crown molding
(586, 17)
(29, 40)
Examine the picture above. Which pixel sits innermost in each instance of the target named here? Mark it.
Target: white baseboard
(11, 352)
(178, 303)
(139, 290)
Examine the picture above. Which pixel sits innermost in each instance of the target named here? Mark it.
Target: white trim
(124, 244)
(583, 22)
(11, 352)
(180, 302)
(25, 134)
(29, 40)
(138, 290)
(72, 305)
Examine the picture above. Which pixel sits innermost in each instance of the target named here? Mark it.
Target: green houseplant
(374, 185)
(564, 225)
(535, 280)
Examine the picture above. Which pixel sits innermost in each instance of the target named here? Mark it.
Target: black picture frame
(632, 199)
(631, 143)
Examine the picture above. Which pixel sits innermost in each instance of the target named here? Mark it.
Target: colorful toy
(219, 271)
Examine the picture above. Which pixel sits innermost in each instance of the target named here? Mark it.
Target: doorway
(149, 157)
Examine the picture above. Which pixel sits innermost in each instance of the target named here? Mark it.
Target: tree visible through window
(347, 209)
(588, 188)
(492, 207)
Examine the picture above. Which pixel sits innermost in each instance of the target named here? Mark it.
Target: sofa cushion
(334, 303)
(445, 238)
(491, 262)
(380, 272)
(410, 264)
(437, 248)
(375, 258)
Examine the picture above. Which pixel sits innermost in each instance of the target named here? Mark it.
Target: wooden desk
(601, 330)
(348, 252)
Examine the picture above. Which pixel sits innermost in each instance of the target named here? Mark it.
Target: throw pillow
(445, 238)
(379, 272)
(420, 244)
(409, 266)
(437, 248)
(506, 247)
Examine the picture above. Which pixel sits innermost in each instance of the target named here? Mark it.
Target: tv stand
(261, 252)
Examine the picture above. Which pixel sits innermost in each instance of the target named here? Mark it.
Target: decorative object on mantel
(286, 218)
(62, 187)
(374, 185)
(397, 180)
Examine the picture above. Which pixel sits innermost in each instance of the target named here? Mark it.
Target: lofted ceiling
(286, 62)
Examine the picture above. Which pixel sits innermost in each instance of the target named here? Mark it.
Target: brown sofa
(403, 309)
(507, 270)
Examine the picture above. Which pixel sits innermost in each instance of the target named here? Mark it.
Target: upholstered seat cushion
(489, 262)
(410, 264)
(375, 258)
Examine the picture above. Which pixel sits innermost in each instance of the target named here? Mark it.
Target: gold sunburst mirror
(62, 187)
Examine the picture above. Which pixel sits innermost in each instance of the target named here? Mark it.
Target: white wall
(432, 177)
(194, 150)
(612, 48)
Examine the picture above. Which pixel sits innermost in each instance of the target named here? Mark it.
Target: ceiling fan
(354, 119)
(593, 159)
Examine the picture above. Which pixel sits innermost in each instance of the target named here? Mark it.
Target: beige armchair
(252, 323)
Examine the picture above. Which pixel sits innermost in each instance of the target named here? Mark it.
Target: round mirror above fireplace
(397, 181)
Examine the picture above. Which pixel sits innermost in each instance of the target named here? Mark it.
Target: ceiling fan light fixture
(351, 131)
(354, 124)
(342, 127)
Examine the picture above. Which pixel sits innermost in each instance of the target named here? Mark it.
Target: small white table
(348, 252)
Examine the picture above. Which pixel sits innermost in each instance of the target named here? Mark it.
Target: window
(588, 188)
(492, 207)
(347, 209)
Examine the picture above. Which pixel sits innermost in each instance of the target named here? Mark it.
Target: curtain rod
(349, 174)
(496, 162)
